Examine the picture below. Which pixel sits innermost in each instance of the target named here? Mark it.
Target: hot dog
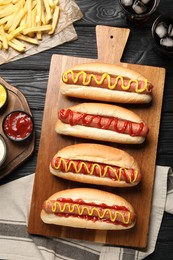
(106, 82)
(96, 164)
(88, 208)
(103, 122)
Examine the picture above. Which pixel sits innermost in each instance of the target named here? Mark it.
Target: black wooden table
(30, 75)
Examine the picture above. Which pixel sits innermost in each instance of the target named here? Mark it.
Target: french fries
(24, 21)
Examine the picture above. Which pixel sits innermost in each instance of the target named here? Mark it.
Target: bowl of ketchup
(18, 125)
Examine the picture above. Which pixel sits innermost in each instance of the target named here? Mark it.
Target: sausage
(110, 123)
(96, 169)
(102, 212)
(107, 81)
(96, 164)
(103, 122)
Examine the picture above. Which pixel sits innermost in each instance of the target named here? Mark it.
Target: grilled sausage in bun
(96, 164)
(106, 82)
(88, 208)
(102, 122)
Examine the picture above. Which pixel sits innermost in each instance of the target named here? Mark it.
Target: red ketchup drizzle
(93, 218)
(109, 123)
(18, 125)
(56, 162)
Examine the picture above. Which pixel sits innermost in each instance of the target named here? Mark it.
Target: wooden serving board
(18, 152)
(110, 49)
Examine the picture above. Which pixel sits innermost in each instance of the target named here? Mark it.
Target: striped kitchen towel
(16, 243)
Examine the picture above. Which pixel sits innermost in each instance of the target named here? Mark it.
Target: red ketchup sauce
(110, 123)
(18, 125)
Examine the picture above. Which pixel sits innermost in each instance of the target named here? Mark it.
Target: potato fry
(12, 17)
(33, 3)
(38, 29)
(51, 3)
(43, 17)
(56, 2)
(27, 39)
(2, 2)
(26, 21)
(55, 20)
(39, 11)
(5, 19)
(34, 14)
(17, 19)
(7, 11)
(48, 12)
(15, 1)
(29, 17)
(23, 21)
(17, 31)
(16, 46)
(3, 38)
(18, 43)
(39, 33)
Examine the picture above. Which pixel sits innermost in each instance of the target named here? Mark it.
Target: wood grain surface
(46, 184)
(30, 76)
(18, 152)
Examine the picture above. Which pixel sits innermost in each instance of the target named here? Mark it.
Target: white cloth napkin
(16, 243)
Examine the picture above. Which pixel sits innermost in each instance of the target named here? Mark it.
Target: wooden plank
(111, 42)
(45, 184)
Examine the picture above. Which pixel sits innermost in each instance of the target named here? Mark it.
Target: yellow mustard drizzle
(104, 76)
(67, 167)
(90, 211)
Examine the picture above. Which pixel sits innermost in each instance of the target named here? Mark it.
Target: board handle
(111, 42)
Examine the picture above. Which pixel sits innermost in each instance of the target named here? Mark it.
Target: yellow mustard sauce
(91, 171)
(90, 211)
(3, 95)
(104, 76)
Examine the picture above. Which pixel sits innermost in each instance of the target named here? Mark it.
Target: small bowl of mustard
(3, 96)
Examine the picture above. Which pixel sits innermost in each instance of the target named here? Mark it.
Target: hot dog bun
(97, 133)
(88, 196)
(97, 154)
(106, 94)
